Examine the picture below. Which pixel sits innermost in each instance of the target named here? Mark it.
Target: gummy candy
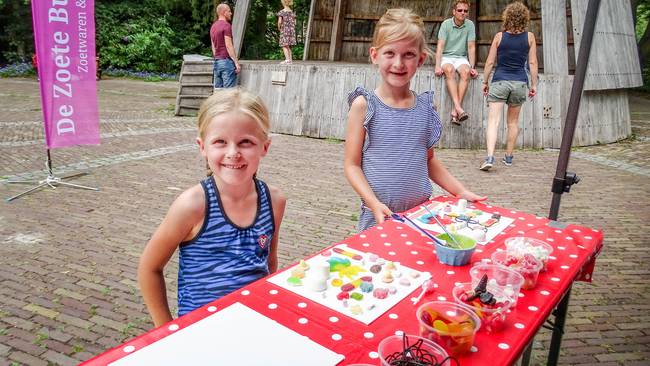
(294, 281)
(490, 308)
(356, 309)
(456, 334)
(343, 295)
(366, 286)
(380, 293)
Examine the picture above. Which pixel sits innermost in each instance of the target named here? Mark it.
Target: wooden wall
(359, 18)
(312, 102)
(614, 61)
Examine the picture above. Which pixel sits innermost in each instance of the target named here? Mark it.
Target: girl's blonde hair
(515, 17)
(399, 24)
(233, 100)
(287, 3)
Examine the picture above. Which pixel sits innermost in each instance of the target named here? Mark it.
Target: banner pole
(49, 163)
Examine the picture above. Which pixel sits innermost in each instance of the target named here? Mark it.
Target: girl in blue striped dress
(226, 227)
(391, 131)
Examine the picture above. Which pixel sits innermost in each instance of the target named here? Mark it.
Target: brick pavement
(68, 280)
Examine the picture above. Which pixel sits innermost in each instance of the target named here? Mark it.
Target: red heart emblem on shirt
(262, 240)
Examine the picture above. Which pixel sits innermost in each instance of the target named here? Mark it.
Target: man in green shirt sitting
(456, 53)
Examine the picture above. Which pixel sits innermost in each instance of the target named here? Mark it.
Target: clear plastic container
(393, 346)
(521, 245)
(449, 324)
(492, 318)
(499, 277)
(529, 270)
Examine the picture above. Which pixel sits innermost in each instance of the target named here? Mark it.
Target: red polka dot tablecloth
(574, 252)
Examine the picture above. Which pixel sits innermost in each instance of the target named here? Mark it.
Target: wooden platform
(310, 99)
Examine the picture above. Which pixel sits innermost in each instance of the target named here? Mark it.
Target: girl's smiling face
(398, 61)
(233, 145)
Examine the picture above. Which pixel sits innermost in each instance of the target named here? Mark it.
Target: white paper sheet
(421, 217)
(236, 335)
(371, 307)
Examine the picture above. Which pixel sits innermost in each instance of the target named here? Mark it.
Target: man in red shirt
(226, 66)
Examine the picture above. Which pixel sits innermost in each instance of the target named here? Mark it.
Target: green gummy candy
(357, 296)
(294, 281)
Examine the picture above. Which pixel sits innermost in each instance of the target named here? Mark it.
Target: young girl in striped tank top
(391, 131)
(226, 227)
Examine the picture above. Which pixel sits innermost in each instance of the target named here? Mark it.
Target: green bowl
(453, 256)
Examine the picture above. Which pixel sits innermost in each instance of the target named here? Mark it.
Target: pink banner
(64, 33)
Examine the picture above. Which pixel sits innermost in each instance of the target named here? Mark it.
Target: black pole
(563, 180)
(49, 163)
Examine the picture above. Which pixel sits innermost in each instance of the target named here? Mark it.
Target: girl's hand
(438, 71)
(470, 196)
(486, 89)
(532, 92)
(381, 211)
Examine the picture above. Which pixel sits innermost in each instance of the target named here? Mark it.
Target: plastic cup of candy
(500, 278)
(450, 324)
(492, 314)
(527, 266)
(391, 350)
(455, 256)
(521, 245)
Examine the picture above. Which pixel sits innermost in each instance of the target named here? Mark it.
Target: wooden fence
(310, 99)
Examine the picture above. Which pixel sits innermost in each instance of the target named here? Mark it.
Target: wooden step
(196, 89)
(196, 78)
(198, 67)
(192, 100)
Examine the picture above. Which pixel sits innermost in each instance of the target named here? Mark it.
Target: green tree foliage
(153, 35)
(641, 15)
(16, 38)
(641, 12)
(145, 36)
(262, 34)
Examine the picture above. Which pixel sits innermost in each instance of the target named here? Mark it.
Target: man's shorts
(513, 93)
(456, 62)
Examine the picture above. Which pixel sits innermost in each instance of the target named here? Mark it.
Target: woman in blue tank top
(227, 226)
(512, 49)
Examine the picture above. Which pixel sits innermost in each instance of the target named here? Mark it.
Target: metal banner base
(51, 181)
